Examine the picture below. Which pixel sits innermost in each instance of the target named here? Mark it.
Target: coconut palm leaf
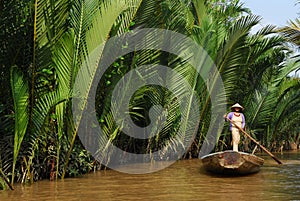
(287, 102)
(7, 136)
(269, 102)
(289, 126)
(93, 40)
(50, 20)
(153, 56)
(146, 12)
(20, 96)
(60, 45)
(167, 135)
(229, 53)
(282, 124)
(292, 32)
(261, 108)
(207, 32)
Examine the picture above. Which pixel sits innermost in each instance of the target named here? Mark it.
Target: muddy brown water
(183, 180)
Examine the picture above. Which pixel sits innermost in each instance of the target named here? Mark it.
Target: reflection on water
(184, 180)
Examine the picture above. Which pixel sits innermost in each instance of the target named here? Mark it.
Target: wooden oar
(251, 138)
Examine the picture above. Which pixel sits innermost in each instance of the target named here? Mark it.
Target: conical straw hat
(237, 105)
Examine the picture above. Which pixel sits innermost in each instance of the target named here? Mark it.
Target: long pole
(251, 138)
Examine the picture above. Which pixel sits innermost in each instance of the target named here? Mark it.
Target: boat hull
(232, 163)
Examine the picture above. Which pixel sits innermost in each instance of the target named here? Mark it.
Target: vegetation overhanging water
(44, 44)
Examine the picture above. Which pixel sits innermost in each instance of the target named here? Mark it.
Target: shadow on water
(183, 180)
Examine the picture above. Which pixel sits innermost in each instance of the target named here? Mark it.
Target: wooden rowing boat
(232, 163)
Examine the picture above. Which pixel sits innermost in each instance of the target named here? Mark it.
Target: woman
(239, 119)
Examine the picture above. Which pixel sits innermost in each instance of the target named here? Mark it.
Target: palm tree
(64, 34)
(249, 65)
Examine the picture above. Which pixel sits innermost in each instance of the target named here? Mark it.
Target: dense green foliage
(43, 45)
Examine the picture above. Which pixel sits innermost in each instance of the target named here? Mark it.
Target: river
(184, 180)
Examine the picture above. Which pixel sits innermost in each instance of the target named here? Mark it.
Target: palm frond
(89, 49)
(292, 32)
(6, 139)
(233, 51)
(21, 99)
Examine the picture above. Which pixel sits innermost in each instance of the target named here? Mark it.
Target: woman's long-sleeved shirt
(236, 120)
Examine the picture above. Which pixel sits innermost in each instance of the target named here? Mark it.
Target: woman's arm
(230, 114)
(243, 120)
